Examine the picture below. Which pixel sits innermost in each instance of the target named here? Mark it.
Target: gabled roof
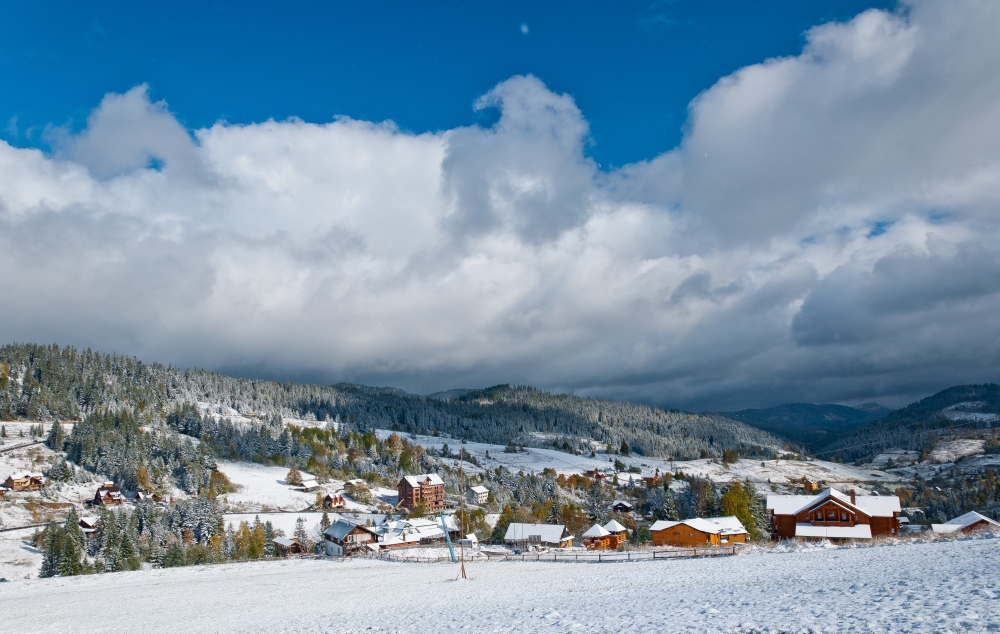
(26, 474)
(621, 503)
(597, 531)
(547, 533)
(870, 505)
(614, 527)
(416, 480)
(341, 528)
(285, 541)
(479, 489)
(962, 521)
(728, 525)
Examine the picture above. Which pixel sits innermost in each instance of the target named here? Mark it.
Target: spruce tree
(52, 553)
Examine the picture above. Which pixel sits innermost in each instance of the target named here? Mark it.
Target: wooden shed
(285, 546)
(599, 538)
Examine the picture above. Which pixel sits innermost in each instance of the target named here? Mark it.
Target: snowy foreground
(943, 586)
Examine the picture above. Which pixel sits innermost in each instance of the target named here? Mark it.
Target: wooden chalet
(699, 532)
(285, 546)
(3, 492)
(25, 481)
(334, 501)
(619, 534)
(88, 526)
(599, 538)
(345, 538)
(521, 535)
(595, 474)
(968, 523)
(426, 489)
(833, 515)
(108, 495)
(653, 480)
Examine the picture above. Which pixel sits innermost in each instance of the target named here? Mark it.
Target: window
(843, 516)
(831, 515)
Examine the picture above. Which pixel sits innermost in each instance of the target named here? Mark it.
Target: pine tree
(555, 512)
(324, 523)
(54, 545)
(56, 438)
(72, 558)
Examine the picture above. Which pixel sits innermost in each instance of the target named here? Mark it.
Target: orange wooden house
(833, 515)
(108, 495)
(598, 538)
(699, 532)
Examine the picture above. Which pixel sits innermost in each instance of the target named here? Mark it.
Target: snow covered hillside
(942, 586)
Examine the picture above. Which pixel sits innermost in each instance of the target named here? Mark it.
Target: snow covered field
(943, 586)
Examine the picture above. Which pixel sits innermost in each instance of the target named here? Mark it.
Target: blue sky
(702, 205)
(631, 66)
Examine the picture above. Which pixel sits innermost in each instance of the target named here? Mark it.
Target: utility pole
(461, 506)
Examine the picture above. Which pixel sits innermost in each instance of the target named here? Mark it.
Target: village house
(414, 532)
(334, 501)
(25, 481)
(833, 515)
(477, 495)
(285, 546)
(345, 537)
(598, 538)
(522, 535)
(968, 523)
(309, 485)
(108, 495)
(426, 490)
(619, 534)
(693, 533)
(595, 474)
(3, 492)
(653, 480)
(88, 526)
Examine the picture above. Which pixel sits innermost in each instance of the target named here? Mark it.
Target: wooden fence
(589, 556)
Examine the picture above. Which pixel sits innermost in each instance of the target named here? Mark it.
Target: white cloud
(827, 230)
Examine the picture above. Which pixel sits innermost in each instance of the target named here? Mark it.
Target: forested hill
(52, 383)
(811, 425)
(917, 426)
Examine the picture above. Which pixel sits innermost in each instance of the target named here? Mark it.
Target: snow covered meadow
(935, 586)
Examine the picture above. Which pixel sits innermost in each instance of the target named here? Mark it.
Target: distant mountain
(916, 427)
(448, 395)
(810, 425)
(52, 383)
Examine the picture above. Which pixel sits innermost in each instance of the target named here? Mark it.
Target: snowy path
(922, 587)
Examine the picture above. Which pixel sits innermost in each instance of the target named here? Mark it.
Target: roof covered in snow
(728, 525)
(416, 480)
(961, 522)
(614, 527)
(479, 489)
(286, 542)
(547, 533)
(870, 505)
(341, 528)
(597, 531)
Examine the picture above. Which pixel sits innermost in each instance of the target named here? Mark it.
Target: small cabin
(653, 480)
(621, 506)
(25, 481)
(477, 495)
(595, 474)
(968, 523)
(345, 537)
(108, 495)
(619, 534)
(599, 538)
(699, 532)
(3, 492)
(309, 485)
(285, 546)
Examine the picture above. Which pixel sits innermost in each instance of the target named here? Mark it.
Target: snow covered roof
(23, 475)
(621, 503)
(597, 531)
(614, 527)
(547, 533)
(340, 529)
(728, 525)
(962, 522)
(416, 480)
(870, 505)
(858, 531)
(284, 541)
(479, 489)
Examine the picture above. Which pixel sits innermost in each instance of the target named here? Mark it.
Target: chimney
(852, 497)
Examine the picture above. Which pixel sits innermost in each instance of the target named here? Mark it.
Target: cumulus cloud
(827, 231)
